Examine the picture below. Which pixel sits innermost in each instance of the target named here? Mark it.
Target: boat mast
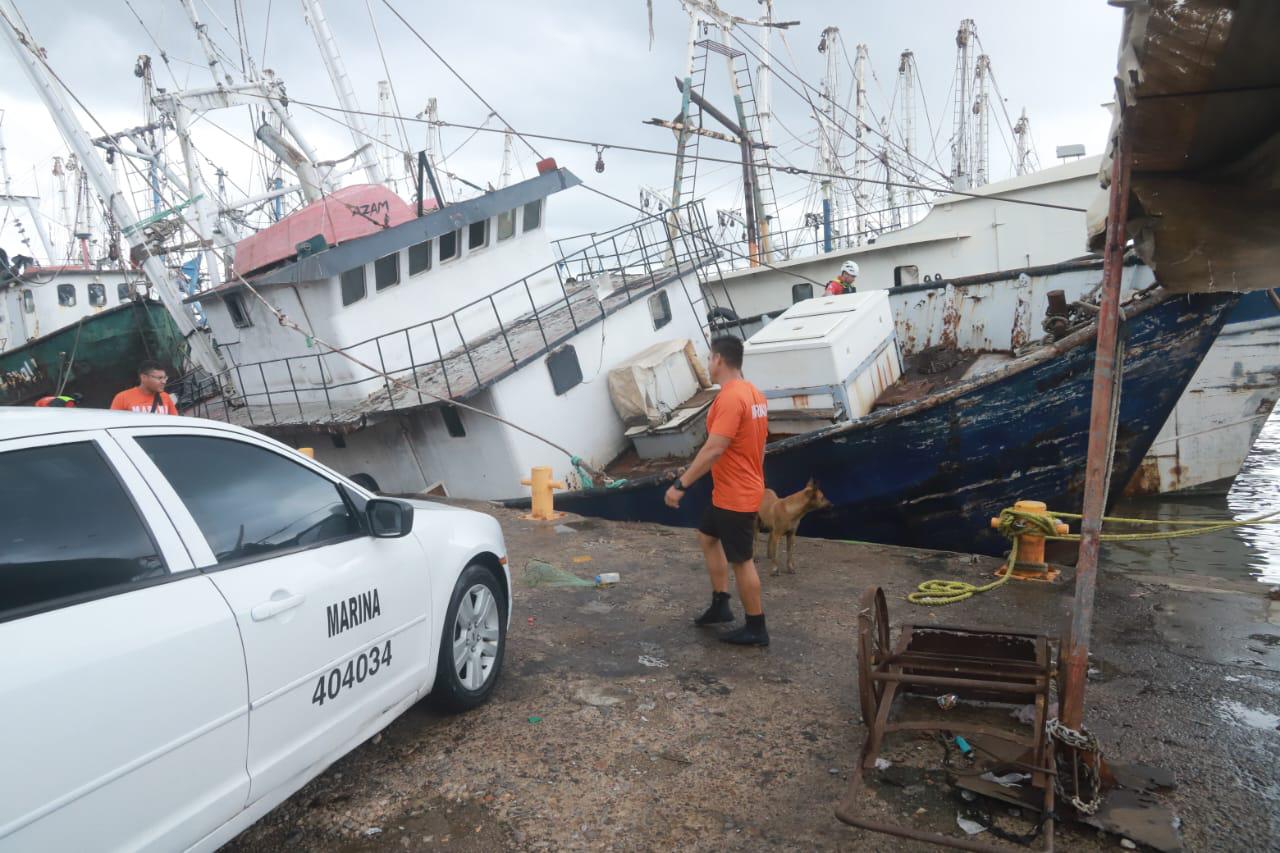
(508, 154)
(827, 127)
(1022, 138)
(60, 186)
(859, 143)
(8, 199)
(981, 122)
(960, 130)
(314, 16)
(384, 134)
(23, 47)
(764, 111)
(907, 85)
(4, 160)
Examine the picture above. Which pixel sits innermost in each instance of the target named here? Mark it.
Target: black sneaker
(718, 612)
(754, 633)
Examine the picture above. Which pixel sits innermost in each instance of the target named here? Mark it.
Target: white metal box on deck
(824, 360)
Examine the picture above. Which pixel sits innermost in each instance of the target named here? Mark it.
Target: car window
(249, 501)
(67, 527)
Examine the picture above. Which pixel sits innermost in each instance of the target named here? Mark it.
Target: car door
(124, 719)
(334, 621)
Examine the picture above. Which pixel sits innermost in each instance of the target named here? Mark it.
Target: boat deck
(461, 372)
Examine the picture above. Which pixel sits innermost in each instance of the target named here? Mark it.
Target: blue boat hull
(931, 473)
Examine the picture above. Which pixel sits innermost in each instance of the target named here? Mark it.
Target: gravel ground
(617, 725)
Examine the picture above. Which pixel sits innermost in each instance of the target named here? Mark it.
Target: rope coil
(1014, 523)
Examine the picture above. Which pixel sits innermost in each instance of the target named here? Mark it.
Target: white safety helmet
(849, 267)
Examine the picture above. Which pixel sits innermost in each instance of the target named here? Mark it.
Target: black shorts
(735, 530)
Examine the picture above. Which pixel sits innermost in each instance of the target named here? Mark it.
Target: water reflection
(1239, 554)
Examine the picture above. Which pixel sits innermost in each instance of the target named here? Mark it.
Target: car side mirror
(389, 519)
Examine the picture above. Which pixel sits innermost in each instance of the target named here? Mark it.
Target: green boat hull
(95, 358)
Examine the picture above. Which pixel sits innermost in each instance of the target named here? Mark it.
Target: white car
(196, 620)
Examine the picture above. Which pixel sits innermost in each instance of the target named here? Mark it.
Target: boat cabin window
(506, 225)
(449, 245)
(124, 291)
(478, 234)
(906, 274)
(801, 292)
(420, 257)
(565, 370)
(239, 314)
(453, 421)
(97, 294)
(28, 302)
(353, 285)
(532, 215)
(66, 295)
(660, 309)
(386, 271)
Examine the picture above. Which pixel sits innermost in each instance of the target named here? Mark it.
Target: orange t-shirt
(137, 400)
(740, 414)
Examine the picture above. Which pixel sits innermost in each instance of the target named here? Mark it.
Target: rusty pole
(1102, 424)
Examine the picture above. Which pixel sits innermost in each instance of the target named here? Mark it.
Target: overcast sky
(578, 68)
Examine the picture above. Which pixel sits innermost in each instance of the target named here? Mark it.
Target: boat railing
(459, 353)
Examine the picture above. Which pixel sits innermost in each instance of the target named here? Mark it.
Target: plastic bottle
(607, 579)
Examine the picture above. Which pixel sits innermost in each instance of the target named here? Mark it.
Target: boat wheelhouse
(470, 303)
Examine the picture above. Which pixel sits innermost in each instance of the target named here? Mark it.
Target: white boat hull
(1204, 443)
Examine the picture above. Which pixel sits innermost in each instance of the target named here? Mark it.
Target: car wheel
(473, 642)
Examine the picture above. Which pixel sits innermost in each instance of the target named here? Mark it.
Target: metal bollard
(541, 484)
(1031, 564)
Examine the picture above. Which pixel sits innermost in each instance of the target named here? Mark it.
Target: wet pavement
(617, 725)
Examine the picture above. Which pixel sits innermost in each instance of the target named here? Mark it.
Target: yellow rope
(1014, 523)
(936, 593)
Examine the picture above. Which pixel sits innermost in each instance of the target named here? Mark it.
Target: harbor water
(1239, 554)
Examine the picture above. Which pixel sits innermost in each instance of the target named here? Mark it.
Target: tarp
(647, 387)
(1199, 87)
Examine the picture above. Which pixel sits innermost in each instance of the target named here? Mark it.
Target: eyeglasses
(159, 378)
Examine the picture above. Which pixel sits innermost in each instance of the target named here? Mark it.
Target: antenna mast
(319, 25)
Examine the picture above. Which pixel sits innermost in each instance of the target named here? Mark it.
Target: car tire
(470, 659)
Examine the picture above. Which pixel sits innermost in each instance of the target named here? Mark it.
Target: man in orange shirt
(149, 395)
(737, 427)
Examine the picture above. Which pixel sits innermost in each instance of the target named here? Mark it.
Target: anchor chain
(1078, 742)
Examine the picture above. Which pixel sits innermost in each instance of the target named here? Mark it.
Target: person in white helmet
(844, 283)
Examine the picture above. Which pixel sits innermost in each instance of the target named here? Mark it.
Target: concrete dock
(617, 725)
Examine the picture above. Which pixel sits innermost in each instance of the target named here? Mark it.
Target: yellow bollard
(308, 452)
(1031, 564)
(541, 484)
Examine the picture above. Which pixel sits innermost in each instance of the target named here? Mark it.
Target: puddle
(1246, 553)
(1238, 712)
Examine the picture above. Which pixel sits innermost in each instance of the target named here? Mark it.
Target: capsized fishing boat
(933, 469)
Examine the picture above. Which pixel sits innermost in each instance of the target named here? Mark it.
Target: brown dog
(781, 517)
